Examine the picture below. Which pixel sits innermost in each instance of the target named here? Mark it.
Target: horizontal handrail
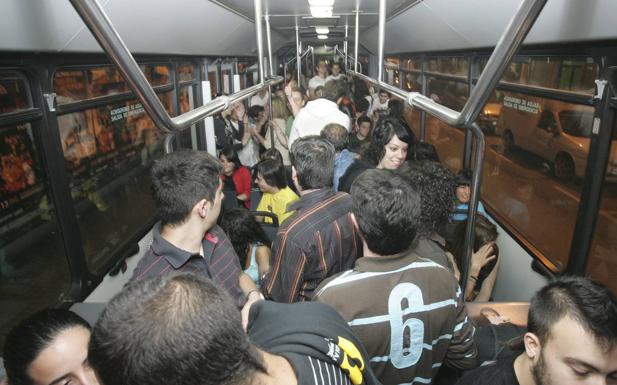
(306, 52)
(101, 27)
(349, 57)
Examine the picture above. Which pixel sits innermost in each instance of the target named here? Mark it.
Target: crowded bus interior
(443, 172)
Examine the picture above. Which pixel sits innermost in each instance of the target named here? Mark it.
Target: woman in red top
(238, 175)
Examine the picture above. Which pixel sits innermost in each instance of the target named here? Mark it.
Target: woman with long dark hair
(236, 177)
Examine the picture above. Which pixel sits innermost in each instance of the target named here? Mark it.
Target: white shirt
(332, 77)
(257, 100)
(314, 117)
(316, 81)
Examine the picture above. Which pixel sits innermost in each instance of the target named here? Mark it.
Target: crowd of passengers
(360, 285)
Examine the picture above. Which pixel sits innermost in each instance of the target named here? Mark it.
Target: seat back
(269, 228)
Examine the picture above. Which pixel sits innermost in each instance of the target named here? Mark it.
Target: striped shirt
(318, 241)
(409, 314)
(219, 261)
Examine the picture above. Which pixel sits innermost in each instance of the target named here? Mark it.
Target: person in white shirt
(336, 72)
(317, 114)
(319, 79)
(380, 103)
(260, 98)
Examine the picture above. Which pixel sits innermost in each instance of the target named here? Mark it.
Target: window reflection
(448, 65)
(108, 151)
(33, 267)
(14, 93)
(602, 265)
(187, 72)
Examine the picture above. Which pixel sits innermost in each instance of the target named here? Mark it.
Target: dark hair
(231, 155)
(387, 210)
(313, 159)
(273, 172)
(337, 135)
(242, 229)
(381, 135)
(589, 303)
(426, 152)
(362, 105)
(330, 91)
(254, 111)
(364, 119)
(272, 153)
(463, 177)
(172, 329)
(485, 231)
(360, 90)
(396, 108)
(31, 336)
(435, 183)
(382, 91)
(180, 180)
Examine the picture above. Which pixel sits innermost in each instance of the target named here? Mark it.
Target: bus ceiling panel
(180, 27)
(437, 25)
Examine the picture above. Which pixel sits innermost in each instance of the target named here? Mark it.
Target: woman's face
(395, 155)
(463, 193)
(228, 167)
(64, 361)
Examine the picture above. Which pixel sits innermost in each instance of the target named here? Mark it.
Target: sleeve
(294, 134)
(243, 181)
(462, 352)
(284, 280)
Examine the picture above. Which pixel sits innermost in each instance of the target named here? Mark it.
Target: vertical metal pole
(423, 79)
(382, 37)
(298, 52)
(345, 45)
(260, 45)
(269, 42)
(357, 33)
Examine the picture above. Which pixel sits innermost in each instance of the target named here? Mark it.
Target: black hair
(337, 135)
(31, 336)
(381, 135)
(463, 177)
(180, 180)
(364, 119)
(360, 90)
(382, 91)
(387, 210)
(273, 172)
(485, 232)
(272, 153)
(313, 159)
(589, 303)
(243, 230)
(426, 152)
(231, 155)
(330, 90)
(435, 183)
(396, 108)
(172, 329)
(362, 105)
(254, 111)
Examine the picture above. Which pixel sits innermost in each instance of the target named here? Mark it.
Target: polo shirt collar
(178, 257)
(310, 199)
(387, 263)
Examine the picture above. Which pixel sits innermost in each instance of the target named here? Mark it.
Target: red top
(242, 181)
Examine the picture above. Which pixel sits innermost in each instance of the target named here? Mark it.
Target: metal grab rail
(308, 50)
(506, 47)
(347, 57)
(101, 27)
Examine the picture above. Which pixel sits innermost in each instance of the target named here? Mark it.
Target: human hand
(480, 258)
(251, 298)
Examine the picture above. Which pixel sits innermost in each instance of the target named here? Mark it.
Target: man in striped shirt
(407, 311)
(187, 191)
(319, 240)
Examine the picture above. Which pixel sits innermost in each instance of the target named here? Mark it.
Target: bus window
(391, 69)
(535, 161)
(34, 271)
(412, 63)
(108, 150)
(14, 93)
(447, 140)
(187, 72)
(451, 65)
(602, 265)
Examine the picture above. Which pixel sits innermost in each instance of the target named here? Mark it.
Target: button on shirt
(219, 261)
(318, 241)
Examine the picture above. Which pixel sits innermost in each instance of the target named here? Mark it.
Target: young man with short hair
(319, 240)
(571, 339)
(338, 136)
(407, 311)
(182, 329)
(187, 191)
(319, 79)
(335, 68)
(359, 141)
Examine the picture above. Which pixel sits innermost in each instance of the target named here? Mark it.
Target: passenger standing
(317, 113)
(407, 311)
(338, 136)
(360, 140)
(187, 190)
(319, 79)
(260, 98)
(336, 73)
(571, 339)
(319, 240)
(276, 130)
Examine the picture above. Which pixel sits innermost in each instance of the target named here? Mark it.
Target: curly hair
(382, 134)
(242, 230)
(435, 184)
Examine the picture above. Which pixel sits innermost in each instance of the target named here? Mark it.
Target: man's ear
(532, 345)
(202, 207)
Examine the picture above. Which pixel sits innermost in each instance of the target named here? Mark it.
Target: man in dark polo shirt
(408, 311)
(187, 190)
(319, 240)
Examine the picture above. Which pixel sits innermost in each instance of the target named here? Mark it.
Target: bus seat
(269, 228)
(255, 198)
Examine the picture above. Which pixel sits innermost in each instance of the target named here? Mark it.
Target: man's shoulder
(500, 372)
